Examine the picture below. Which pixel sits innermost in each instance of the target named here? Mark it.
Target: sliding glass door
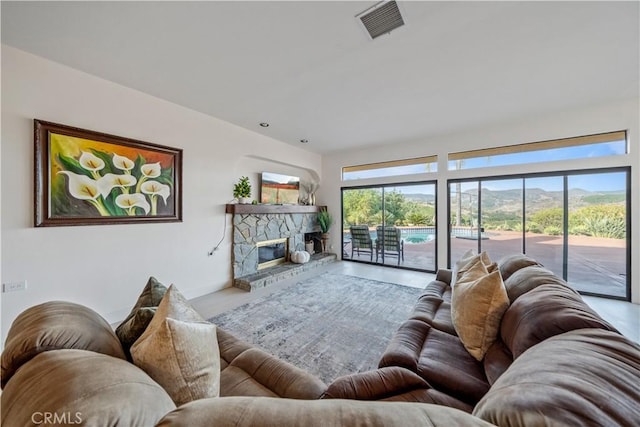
(574, 223)
(391, 225)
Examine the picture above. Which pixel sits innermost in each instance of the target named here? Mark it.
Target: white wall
(623, 115)
(105, 267)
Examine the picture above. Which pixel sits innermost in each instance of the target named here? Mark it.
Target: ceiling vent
(381, 19)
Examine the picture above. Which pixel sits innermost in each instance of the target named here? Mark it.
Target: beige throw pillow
(179, 350)
(478, 302)
(464, 260)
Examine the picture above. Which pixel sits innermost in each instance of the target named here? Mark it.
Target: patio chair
(361, 240)
(389, 242)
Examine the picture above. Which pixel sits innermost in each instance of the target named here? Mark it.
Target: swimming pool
(424, 234)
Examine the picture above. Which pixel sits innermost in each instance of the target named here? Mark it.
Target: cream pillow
(179, 350)
(478, 302)
(464, 260)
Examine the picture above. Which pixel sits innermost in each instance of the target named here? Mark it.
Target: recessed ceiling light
(264, 124)
(304, 141)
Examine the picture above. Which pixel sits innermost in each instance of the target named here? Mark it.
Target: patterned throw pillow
(141, 314)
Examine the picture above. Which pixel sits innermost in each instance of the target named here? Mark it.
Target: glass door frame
(434, 183)
(565, 175)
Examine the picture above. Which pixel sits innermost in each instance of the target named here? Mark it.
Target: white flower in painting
(123, 163)
(154, 188)
(91, 162)
(111, 181)
(151, 170)
(84, 188)
(132, 201)
(81, 186)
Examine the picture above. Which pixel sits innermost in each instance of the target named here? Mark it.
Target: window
(392, 225)
(600, 145)
(574, 223)
(391, 168)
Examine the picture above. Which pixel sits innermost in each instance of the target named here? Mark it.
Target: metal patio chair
(389, 242)
(361, 240)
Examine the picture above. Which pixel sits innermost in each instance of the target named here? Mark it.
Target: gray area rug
(330, 325)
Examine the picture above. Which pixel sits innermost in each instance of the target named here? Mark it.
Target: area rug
(330, 325)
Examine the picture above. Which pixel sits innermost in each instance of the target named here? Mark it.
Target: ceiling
(310, 70)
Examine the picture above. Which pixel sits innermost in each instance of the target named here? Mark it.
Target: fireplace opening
(272, 252)
(315, 238)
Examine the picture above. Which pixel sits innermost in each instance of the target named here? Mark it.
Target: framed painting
(84, 177)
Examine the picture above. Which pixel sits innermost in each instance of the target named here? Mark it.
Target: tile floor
(623, 315)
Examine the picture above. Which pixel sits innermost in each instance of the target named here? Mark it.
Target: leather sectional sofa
(555, 362)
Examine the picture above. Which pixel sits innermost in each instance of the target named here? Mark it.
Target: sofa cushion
(141, 314)
(593, 372)
(478, 302)
(439, 358)
(527, 278)
(512, 263)
(547, 310)
(435, 311)
(265, 411)
(85, 388)
(496, 361)
(179, 350)
(56, 325)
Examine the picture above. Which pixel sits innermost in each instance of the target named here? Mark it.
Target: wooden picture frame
(84, 177)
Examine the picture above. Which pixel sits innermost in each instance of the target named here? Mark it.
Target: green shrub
(553, 231)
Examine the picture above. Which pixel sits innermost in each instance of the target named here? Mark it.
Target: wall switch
(14, 286)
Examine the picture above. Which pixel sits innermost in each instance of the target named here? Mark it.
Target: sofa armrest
(278, 376)
(406, 345)
(444, 275)
(378, 384)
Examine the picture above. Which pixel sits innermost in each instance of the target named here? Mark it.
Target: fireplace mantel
(271, 209)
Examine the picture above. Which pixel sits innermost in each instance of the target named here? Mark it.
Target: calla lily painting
(86, 177)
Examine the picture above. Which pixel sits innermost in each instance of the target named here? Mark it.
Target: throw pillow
(141, 314)
(478, 302)
(464, 260)
(482, 258)
(179, 350)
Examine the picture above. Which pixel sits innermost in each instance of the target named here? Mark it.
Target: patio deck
(595, 265)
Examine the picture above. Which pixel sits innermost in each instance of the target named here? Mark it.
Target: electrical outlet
(14, 286)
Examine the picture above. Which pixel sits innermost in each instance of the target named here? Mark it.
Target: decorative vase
(325, 239)
(308, 246)
(244, 200)
(312, 199)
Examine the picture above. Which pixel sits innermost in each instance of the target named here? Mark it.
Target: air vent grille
(381, 19)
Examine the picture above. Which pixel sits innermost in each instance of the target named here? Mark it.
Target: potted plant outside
(242, 190)
(325, 220)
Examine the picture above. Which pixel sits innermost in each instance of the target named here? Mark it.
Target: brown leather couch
(555, 362)
(63, 365)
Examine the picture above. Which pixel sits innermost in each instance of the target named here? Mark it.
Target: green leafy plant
(325, 220)
(242, 188)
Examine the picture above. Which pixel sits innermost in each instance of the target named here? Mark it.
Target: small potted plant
(324, 220)
(242, 190)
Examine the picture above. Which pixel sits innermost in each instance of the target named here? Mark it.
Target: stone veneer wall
(248, 229)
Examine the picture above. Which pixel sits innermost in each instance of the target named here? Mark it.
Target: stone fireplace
(253, 224)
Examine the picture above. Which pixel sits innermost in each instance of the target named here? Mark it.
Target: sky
(591, 182)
